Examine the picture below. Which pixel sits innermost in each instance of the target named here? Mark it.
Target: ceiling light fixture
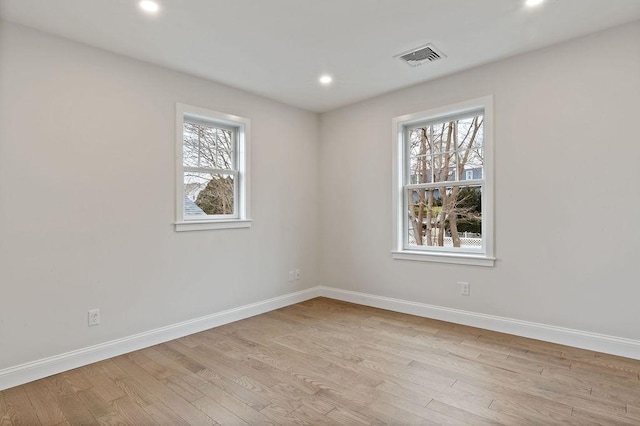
(325, 79)
(532, 3)
(149, 6)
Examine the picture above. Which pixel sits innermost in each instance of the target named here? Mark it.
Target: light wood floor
(328, 362)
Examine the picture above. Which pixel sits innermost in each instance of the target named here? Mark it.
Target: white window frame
(401, 250)
(241, 127)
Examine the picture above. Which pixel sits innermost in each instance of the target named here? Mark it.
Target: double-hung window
(211, 169)
(443, 184)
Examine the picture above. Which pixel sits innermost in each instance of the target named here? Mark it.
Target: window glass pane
(448, 216)
(444, 167)
(421, 169)
(470, 144)
(418, 143)
(431, 139)
(208, 194)
(475, 160)
(419, 156)
(432, 153)
(207, 147)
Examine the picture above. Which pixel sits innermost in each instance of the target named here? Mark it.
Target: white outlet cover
(94, 317)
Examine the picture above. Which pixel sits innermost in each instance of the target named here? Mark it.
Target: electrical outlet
(465, 288)
(297, 274)
(292, 276)
(94, 317)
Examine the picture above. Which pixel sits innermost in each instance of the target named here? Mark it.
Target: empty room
(347, 212)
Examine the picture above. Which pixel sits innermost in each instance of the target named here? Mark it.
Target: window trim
(241, 126)
(399, 125)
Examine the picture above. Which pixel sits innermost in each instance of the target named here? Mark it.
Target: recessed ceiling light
(532, 3)
(325, 79)
(149, 6)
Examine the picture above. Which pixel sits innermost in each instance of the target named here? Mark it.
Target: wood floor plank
(97, 406)
(481, 411)
(270, 393)
(337, 365)
(307, 415)
(279, 415)
(111, 418)
(347, 417)
(76, 380)
(328, 362)
(583, 417)
(423, 394)
(614, 361)
(136, 391)
(426, 412)
(298, 381)
(182, 388)
(4, 415)
(72, 407)
(162, 415)
(360, 401)
(132, 412)
(432, 378)
(252, 399)
(234, 405)
(105, 387)
(18, 407)
(169, 398)
(139, 357)
(160, 370)
(217, 412)
(459, 414)
(162, 367)
(170, 351)
(228, 367)
(618, 394)
(508, 395)
(44, 403)
(633, 412)
(533, 410)
(391, 414)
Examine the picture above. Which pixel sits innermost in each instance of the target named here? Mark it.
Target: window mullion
(448, 183)
(212, 171)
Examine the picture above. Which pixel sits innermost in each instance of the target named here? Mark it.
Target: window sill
(456, 258)
(203, 225)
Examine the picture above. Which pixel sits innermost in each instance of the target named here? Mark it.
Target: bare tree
(207, 155)
(440, 153)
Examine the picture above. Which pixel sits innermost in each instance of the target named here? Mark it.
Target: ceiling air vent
(420, 55)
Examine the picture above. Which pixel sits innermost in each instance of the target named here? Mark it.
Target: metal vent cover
(420, 55)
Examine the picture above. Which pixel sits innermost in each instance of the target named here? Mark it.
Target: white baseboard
(24, 373)
(565, 336)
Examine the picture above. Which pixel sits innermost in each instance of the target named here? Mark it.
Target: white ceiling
(278, 48)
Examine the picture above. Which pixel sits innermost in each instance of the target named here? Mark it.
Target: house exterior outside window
(468, 175)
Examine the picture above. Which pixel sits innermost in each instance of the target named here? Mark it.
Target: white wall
(567, 171)
(87, 199)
